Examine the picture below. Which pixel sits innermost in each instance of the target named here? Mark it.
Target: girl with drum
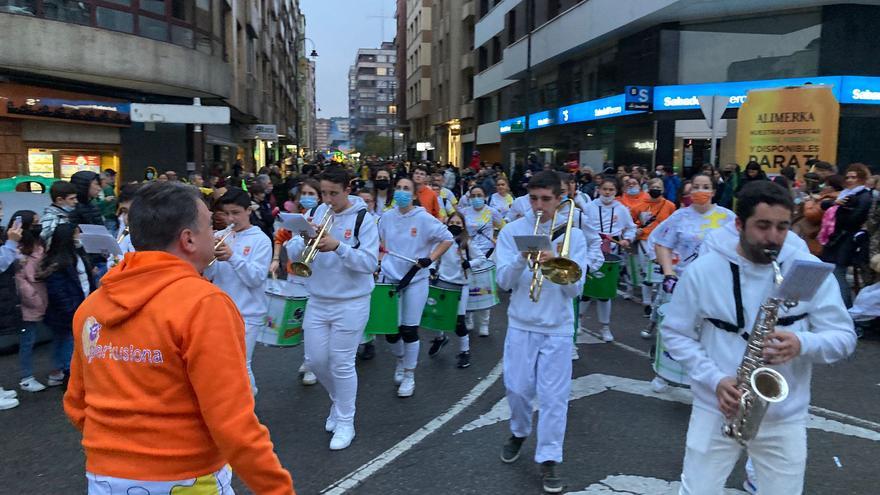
(677, 240)
(413, 240)
(481, 222)
(616, 228)
(307, 198)
(501, 199)
(647, 215)
(453, 268)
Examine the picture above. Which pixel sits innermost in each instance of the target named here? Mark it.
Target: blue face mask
(308, 202)
(478, 202)
(633, 191)
(402, 198)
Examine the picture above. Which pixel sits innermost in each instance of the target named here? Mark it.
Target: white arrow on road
(597, 383)
(637, 485)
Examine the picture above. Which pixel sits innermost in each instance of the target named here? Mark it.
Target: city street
(446, 439)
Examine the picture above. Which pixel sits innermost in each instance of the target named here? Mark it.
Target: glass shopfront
(62, 163)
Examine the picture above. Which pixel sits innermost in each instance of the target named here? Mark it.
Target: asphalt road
(621, 438)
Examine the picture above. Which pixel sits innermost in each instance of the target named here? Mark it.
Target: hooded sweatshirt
(347, 272)
(413, 234)
(158, 383)
(244, 276)
(552, 314)
(706, 290)
(87, 210)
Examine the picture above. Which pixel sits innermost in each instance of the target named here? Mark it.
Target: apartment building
(372, 93)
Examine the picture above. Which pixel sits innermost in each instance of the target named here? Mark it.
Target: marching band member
(411, 232)
(501, 199)
(481, 222)
(647, 215)
(699, 332)
(453, 268)
(518, 209)
(537, 348)
(615, 226)
(339, 298)
(242, 268)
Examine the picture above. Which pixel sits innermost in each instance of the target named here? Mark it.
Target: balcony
(467, 110)
(467, 10)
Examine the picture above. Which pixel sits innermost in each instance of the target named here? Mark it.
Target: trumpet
(302, 268)
(223, 235)
(560, 269)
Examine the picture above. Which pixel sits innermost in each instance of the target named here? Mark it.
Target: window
(381, 121)
(381, 58)
(153, 28)
(511, 26)
(381, 71)
(496, 50)
(26, 7)
(182, 36)
(182, 9)
(154, 6)
(203, 14)
(67, 11)
(116, 20)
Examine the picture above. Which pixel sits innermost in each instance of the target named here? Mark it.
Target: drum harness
(739, 327)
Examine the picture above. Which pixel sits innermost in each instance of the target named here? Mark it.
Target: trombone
(223, 235)
(302, 268)
(560, 269)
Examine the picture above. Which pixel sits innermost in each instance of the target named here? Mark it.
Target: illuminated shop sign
(542, 119)
(101, 112)
(516, 124)
(860, 90)
(603, 108)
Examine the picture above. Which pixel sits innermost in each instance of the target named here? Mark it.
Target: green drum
(603, 284)
(283, 321)
(383, 310)
(441, 308)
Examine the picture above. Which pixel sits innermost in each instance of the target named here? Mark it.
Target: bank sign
(847, 89)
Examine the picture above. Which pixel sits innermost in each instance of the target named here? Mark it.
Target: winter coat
(87, 210)
(851, 217)
(32, 290)
(66, 294)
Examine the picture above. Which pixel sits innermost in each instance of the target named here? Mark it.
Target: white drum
(667, 368)
(482, 289)
(287, 307)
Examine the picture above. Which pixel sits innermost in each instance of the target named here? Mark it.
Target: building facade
(74, 69)
(322, 135)
(372, 91)
(551, 76)
(417, 39)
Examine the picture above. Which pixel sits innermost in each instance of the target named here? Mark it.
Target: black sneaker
(510, 451)
(369, 352)
(551, 481)
(646, 311)
(464, 359)
(437, 344)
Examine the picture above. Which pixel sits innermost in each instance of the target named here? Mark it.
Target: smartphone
(16, 224)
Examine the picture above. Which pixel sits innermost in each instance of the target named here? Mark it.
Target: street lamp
(313, 54)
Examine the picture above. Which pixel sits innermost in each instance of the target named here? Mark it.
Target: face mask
(36, 229)
(455, 230)
(308, 202)
(478, 202)
(701, 197)
(77, 243)
(402, 198)
(607, 200)
(67, 208)
(633, 191)
(655, 193)
(382, 184)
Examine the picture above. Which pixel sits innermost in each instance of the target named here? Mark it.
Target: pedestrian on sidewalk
(34, 298)
(10, 306)
(164, 395)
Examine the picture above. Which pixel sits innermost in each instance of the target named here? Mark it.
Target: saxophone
(760, 386)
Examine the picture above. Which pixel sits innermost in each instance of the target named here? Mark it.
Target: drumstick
(404, 258)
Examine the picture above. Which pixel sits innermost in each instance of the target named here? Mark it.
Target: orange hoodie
(158, 384)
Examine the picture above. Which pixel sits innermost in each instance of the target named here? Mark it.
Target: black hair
(422, 167)
(61, 189)
(610, 179)
(471, 190)
(62, 250)
(546, 179)
(160, 211)
(128, 191)
(337, 175)
(757, 192)
(236, 196)
(29, 238)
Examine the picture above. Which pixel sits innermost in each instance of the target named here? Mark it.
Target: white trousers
(251, 331)
(333, 330)
(412, 302)
(538, 366)
(778, 453)
(475, 320)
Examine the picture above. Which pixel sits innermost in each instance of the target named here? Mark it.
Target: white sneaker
(398, 372)
(659, 385)
(55, 379)
(408, 385)
(302, 368)
(30, 384)
(574, 353)
(8, 403)
(309, 378)
(607, 336)
(342, 437)
(484, 332)
(8, 394)
(330, 424)
(647, 333)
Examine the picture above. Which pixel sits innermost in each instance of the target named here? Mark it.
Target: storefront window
(114, 19)
(24, 7)
(63, 163)
(766, 48)
(67, 11)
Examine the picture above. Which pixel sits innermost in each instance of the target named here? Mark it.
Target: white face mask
(606, 199)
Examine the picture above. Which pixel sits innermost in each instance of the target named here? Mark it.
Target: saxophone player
(707, 329)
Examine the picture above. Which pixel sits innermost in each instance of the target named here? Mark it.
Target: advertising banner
(787, 126)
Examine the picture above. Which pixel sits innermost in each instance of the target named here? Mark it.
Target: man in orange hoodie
(161, 397)
(427, 196)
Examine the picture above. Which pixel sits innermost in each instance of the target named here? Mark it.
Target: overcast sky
(339, 28)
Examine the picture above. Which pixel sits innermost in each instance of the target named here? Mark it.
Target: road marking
(360, 474)
(590, 337)
(637, 485)
(597, 383)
